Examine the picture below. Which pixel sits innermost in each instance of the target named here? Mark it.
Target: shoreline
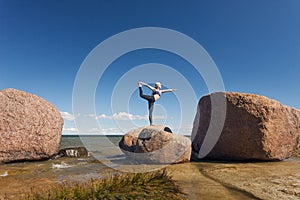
(199, 180)
(224, 180)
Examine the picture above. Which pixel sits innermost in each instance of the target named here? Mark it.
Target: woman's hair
(157, 84)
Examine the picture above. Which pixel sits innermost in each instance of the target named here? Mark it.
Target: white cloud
(127, 116)
(109, 126)
(70, 130)
(108, 131)
(116, 116)
(90, 115)
(67, 116)
(103, 116)
(105, 131)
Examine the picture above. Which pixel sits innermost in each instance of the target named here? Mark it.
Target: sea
(76, 140)
(199, 180)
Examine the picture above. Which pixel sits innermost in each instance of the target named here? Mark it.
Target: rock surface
(296, 153)
(156, 145)
(256, 128)
(30, 127)
(75, 152)
(233, 180)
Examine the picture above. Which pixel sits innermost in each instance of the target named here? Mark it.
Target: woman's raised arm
(148, 86)
(167, 90)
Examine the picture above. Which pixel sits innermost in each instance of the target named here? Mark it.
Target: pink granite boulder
(30, 127)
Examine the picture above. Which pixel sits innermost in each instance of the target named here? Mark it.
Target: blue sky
(255, 45)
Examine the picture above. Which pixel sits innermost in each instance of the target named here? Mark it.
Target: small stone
(76, 152)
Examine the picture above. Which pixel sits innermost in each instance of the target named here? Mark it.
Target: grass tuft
(152, 185)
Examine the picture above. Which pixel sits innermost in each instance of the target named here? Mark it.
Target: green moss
(154, 185)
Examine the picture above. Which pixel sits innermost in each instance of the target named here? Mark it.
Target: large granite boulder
(156, 145)
(255, 128)
(30, 127)
(296, 153)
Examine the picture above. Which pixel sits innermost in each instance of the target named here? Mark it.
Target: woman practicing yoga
(156, 93)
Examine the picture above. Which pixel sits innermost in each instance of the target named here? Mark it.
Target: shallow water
(199, 180)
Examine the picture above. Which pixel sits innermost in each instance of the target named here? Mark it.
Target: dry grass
(153, 185)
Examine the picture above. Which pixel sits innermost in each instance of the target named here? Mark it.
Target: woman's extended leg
(147, 97)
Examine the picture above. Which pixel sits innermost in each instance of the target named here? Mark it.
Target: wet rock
(73, 152)
(255, 128)
(156, 145)
(30, 127)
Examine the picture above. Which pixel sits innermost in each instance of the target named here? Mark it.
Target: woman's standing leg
(150, 100)
(151, 106)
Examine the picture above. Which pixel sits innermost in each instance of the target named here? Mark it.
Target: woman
(156, 93)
